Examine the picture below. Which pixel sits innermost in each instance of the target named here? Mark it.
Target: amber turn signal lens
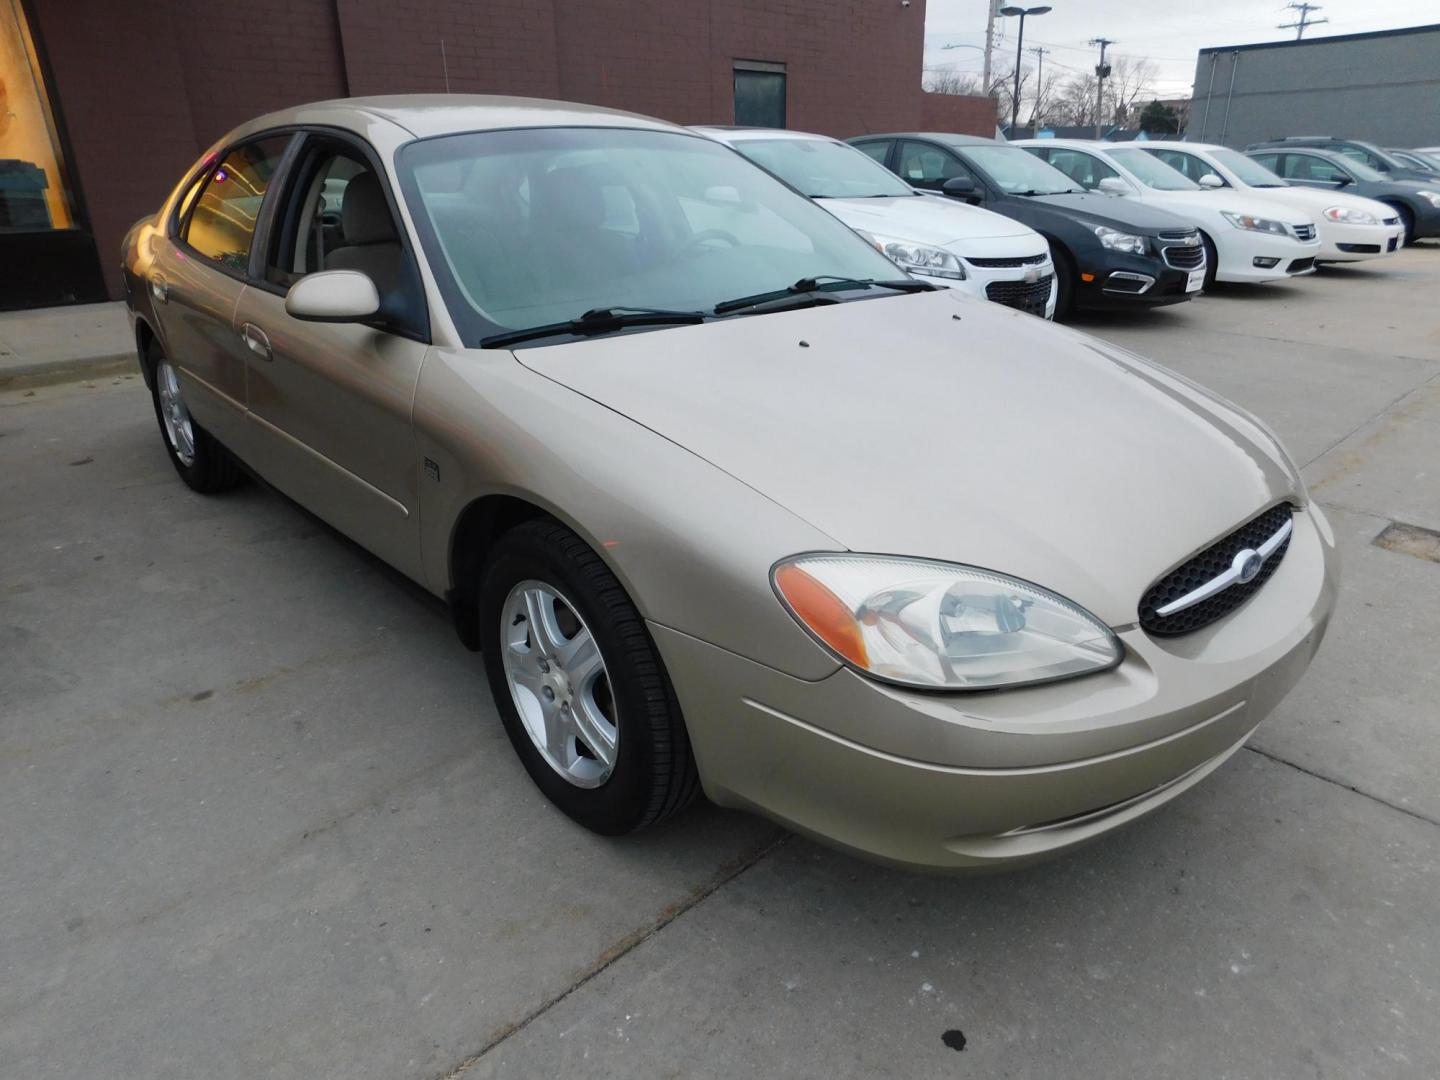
(823, 612)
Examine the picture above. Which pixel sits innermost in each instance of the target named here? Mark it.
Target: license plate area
(1195, 282)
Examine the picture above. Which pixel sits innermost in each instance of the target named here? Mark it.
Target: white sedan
(1247, 238)
(965, 247)
(1351, 228)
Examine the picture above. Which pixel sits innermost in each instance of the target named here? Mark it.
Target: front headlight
(1116, 240)
(919, 258)
(941, 626)
(1432, 197)
(1255, 224)
(1349, 216)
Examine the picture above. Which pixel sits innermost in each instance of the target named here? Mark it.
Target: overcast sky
(1168, 33)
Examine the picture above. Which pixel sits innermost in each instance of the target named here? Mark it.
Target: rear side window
(878, 150)
(221, 224)
(923, 164)
(1085, 170)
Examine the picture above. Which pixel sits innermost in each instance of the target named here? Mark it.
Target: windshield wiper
(821, 283)
(596, 321)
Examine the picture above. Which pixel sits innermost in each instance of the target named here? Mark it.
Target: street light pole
(1019, 55)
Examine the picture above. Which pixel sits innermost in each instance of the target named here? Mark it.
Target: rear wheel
(579, 684)
(200, 460)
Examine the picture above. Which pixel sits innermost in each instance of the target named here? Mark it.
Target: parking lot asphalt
(258, 817)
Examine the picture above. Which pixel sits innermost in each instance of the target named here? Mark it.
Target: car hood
(928, 219)
(947, 427)
(1318, 201)
(1127, 215)
(1248, 201)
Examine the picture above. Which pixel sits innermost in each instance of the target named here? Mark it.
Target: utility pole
(1300, 24)
(991, 7)
(1102, 70)
(1039, 51)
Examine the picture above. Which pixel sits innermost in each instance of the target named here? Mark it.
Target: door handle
(159, 288)
(256, 341)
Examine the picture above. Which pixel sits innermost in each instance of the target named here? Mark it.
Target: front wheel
(579, 684)
(1212, 261)
(1064, 282)
(1407, 222)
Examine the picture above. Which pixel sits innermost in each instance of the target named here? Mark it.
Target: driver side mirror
(333, 296)
(960, 187)
(1211, 181)
(1343, 180)
(1113, 185)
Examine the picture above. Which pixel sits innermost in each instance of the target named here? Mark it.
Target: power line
(1101, 70)
(1300, 24)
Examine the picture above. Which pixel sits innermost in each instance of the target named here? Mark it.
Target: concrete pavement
(64, 342)
(260, 818)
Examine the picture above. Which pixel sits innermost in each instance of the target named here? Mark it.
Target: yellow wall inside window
(26, 131)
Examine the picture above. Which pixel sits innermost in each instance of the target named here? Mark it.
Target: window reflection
(33, 191)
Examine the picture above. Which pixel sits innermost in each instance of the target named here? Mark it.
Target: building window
(34, 194)
(759, 94)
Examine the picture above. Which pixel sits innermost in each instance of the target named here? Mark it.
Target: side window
(879, 149)
(1355, 153)
(927, 166)
(1305, 167)
(221, 223)
(1085, 170)
(1191, 166)
(1270, 161)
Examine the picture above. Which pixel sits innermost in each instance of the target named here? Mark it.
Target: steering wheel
(704, 236)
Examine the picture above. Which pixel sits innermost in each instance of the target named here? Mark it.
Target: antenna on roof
(444, 65)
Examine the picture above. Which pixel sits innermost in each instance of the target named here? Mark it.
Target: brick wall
(144, 86)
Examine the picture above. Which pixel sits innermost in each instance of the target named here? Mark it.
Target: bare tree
(1074, 103)
(1132, 79)
(951, 81)
(1044, 101)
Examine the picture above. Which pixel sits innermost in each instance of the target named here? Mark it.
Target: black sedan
(1108, 252)
(1416, 201)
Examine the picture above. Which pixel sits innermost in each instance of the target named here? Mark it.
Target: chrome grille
(1181, 237)
(1305, 232)
(1029, 260)
(1209, 564)
(1032, 297)
(1184, 258)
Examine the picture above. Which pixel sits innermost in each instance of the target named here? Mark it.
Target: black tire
(1407, 222)
(1212, 261)
(1064, 282)
(654, 772)
(211, 467)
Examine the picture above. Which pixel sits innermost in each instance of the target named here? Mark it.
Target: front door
(330, 404)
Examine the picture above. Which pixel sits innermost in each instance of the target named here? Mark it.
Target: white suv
(973, 250)
(1351, 227)
(1246, 238)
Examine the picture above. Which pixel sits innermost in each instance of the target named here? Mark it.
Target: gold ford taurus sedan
(725, 500)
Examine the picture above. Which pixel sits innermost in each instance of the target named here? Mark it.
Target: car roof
(424, 115)
(755, 134)
(1316, 151)
(934, 136)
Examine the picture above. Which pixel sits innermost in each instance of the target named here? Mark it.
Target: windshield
(1017, 171)
(1360, 170)
(533, 226)
(823, 169)
(1247, 169)
(1152, 172)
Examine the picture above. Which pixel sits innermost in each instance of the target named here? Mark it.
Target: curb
(67, 369)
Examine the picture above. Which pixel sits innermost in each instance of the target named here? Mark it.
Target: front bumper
(1352, 243)
(1238, 250)
(979, 279)
(1116, 277)
(972, 781)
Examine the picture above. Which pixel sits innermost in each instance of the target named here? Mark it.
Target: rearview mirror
(1210, 180)
(960, 186)
(333, 296)
(1113, 185)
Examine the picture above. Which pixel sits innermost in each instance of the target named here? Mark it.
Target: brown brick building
(119, 97)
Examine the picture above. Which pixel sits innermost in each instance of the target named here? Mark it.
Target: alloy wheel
(174, 416)
(559, 684)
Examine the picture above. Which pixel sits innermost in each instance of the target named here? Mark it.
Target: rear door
(330, 403)
(199, 275)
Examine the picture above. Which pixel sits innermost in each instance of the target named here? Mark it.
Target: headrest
(364, 214)
(568, 197)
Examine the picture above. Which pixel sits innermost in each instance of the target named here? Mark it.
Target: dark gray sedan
(1416, 201)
